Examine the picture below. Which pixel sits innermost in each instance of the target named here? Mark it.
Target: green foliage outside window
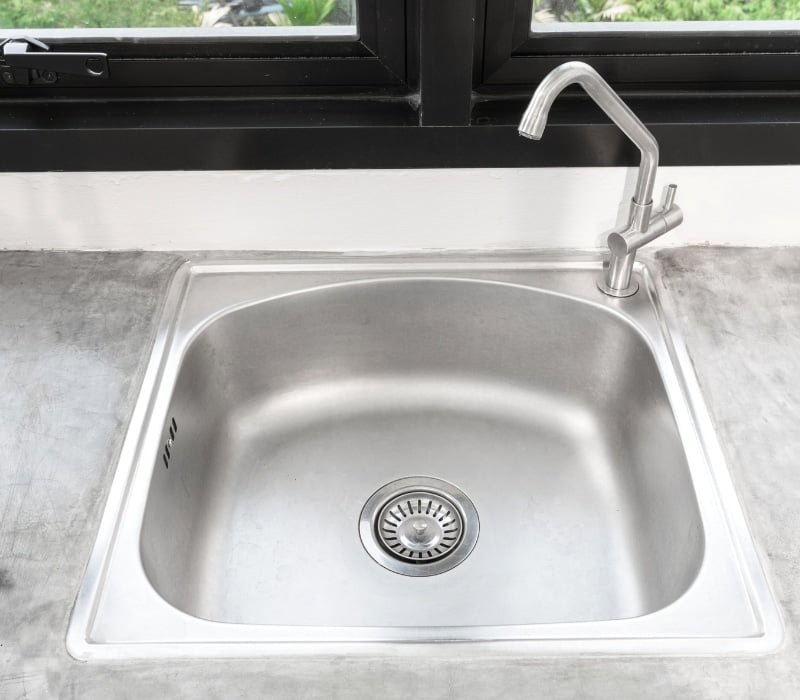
(663, 10)
(32, 14)
(47, 14)
(93, 13)
(306, 12)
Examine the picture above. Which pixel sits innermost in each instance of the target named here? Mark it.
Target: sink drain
(419, 526)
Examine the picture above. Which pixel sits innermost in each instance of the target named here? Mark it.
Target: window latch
(26, 61)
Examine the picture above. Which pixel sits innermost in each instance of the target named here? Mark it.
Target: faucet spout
(534, 120)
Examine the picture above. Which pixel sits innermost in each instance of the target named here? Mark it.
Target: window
(646, 44)
(214, 84)
(280, 46)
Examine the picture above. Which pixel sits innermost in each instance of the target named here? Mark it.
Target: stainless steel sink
(303, 426)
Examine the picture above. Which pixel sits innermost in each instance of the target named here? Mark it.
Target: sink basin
(559, 485)
(549, 413)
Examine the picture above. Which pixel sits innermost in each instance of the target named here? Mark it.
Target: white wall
(383, 210)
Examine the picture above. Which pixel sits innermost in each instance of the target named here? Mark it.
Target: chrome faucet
(643, 225)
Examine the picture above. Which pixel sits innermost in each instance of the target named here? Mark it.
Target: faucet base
(629, 291)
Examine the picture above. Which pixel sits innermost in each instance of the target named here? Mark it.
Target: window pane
(134, 14)
(548, 12)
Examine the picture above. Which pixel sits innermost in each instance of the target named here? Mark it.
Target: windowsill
(224, 134)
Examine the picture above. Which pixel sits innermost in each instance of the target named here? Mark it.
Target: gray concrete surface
(75, 331)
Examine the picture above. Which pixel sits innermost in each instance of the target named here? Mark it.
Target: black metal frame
(375, 59)
(651, 60)
(429, 83)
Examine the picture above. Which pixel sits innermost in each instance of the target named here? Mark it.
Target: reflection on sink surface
(280, 398)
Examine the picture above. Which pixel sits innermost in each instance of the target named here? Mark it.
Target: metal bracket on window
(26, 61)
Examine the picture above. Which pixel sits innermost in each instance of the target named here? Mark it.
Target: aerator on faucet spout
(643, 225)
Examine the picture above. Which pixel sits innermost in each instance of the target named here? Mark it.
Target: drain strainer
(419, 526)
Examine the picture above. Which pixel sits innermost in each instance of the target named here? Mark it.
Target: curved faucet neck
(576, 72)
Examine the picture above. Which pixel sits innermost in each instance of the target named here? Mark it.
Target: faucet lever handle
(669, 198)
(665, 219)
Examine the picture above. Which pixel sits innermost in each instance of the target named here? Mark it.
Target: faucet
(643, 225)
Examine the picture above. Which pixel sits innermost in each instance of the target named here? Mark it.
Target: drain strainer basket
(419, 526)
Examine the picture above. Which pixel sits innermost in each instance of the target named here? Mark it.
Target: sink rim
(88, 640)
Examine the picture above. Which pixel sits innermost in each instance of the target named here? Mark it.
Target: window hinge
(27, 61)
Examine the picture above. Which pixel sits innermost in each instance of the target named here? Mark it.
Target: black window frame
(375, 60)
(651, 60)
(428, 83)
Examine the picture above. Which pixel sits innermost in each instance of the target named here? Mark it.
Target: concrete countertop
(75, 334)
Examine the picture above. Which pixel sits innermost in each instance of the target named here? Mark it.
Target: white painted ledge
(384, 210)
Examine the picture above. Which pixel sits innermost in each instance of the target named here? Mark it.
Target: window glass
(272, 15)
(617, 12)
